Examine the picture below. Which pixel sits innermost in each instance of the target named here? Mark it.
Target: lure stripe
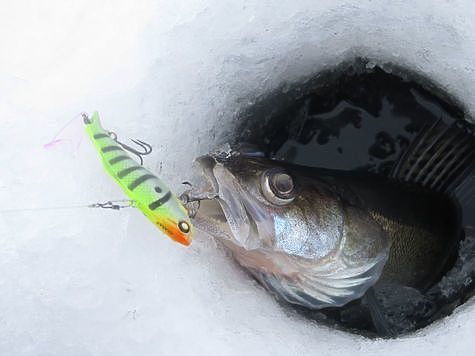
(127, 171)
(140, 180)
(110, 149)
(149, 194)
(158, 203)
(119, 159)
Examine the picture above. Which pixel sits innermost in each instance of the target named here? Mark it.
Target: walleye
(146, 190)
(321, 238)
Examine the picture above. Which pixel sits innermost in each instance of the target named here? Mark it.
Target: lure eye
(278, 186)
(184, 227)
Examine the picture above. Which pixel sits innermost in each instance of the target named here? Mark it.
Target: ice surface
(175, 73)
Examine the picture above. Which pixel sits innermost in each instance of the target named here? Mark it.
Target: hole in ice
(360, 116)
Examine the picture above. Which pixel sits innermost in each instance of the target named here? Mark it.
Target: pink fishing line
(57, 140)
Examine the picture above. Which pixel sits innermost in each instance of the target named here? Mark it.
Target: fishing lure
(147, 191)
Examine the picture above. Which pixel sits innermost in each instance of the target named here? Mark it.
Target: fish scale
(148, 192)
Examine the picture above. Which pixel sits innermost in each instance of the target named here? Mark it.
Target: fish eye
(278, 186)
(184, 227)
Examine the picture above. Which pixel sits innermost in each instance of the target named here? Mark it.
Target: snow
(175, 74)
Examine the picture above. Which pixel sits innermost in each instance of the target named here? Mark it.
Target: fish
(147, 191)
(321, 238)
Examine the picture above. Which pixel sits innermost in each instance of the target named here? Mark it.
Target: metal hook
(147, 149)
(191, 205)
(113, 204)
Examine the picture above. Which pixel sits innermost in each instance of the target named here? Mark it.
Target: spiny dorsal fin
(440, 158)
(465, 192)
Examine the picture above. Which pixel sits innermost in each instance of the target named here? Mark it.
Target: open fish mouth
(228, 207)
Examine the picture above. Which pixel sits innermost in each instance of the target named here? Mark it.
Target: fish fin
(380, 322)
(329, 285)
(396, 309)
(465, 191)
(439, 158)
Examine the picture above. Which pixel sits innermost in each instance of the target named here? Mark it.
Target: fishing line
(55, 138)
(110, 204)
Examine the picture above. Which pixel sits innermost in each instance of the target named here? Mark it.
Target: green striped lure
(147, 191)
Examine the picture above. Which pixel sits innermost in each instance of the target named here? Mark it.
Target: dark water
(359, 118)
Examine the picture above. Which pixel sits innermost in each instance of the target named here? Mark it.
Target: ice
(175, 74)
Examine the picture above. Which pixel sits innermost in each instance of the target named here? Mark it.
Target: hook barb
(146, 148)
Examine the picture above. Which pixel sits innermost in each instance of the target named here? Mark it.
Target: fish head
(291, 230)
(266, 202)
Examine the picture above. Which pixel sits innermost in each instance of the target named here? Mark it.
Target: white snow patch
(175, 73)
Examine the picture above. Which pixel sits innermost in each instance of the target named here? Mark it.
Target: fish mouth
(229, 213)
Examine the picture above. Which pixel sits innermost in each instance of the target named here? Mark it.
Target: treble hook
(147, 149)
